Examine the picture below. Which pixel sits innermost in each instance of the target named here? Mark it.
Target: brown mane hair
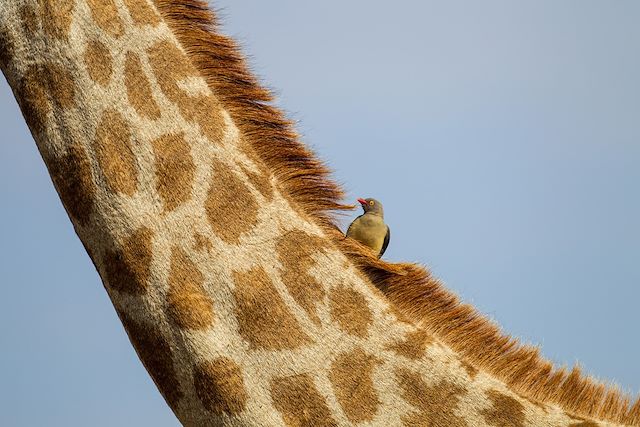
(410, 287)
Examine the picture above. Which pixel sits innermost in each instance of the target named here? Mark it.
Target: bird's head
(371, 206)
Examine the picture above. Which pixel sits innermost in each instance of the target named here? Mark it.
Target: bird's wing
(386, 242)
(351, 225)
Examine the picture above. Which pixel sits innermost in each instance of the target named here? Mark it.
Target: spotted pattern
(220, 387)
(202, 243)
(98, 62)
(32, 98)
(264, 321)
(188, 304)
(141, 13)
(349, 309)
(435, 404)
(113, 150)
(127, 267)
(414, 345)
(299, 402)
(56, 16)
(61, 86)
(71, 175)
(105, 14)
(351, 376)
(295, 252)
(505, 411)
(231, 208)
(175, 170)
(39, 84)
(139, 89)
(171, 67)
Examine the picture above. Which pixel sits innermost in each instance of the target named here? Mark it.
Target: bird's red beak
(363, 202)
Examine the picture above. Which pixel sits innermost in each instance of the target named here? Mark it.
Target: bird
(369, 228)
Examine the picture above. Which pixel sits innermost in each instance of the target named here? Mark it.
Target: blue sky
(502, 137)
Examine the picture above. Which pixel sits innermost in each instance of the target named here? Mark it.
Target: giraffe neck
(240, 306)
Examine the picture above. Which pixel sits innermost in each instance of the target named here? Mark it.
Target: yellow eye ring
(371, 202)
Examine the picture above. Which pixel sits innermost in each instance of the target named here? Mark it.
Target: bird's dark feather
(387, 237)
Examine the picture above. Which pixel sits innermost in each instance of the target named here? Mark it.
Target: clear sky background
(502, 137)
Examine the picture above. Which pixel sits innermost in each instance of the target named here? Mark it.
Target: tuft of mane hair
(416, 294)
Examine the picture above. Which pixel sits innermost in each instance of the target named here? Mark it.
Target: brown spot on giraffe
(141, 13)
(6, 48)
(351, 376)
(32, 98)
(29, 18)
(61, 86)
(113, 151)
(220, 387)
(187, 303)
(165, 53)
(105, 14)
(39, 84)
(156, 355)
(264, 320)
(202, 243)
(231, 208)
(435, 403)
(71, 175)
(414, 344)
(349, 309)
(98, 61)
(138, 88)
(127, 267)
(505, 411)
(295, 251)
(174, 169)
(56, 16)
(299, 402)
(171, 67)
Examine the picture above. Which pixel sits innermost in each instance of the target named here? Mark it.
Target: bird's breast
(369, 230)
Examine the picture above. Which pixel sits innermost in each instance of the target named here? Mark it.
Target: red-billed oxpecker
(369, 228)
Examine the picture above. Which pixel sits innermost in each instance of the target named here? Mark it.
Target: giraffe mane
(418, 297)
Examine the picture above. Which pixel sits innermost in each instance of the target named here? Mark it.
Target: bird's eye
(371, 202)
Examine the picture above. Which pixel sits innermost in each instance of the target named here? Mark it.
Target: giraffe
(211, 228)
